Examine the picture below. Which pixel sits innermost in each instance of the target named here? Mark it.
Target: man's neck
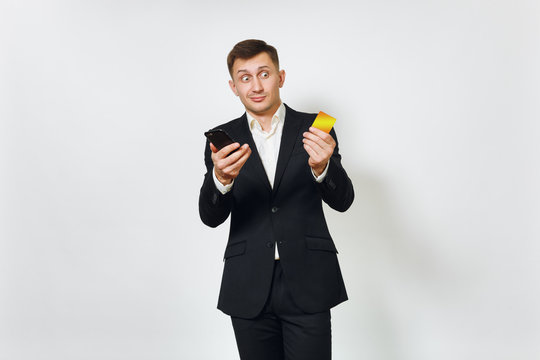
(265, 119)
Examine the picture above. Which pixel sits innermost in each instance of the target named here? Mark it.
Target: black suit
(289, 216)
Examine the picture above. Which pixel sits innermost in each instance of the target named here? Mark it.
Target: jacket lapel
(288, 139)
(243, 135)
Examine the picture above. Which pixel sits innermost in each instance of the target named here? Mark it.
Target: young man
(281, 274)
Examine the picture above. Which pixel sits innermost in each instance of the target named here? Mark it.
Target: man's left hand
(320, 147)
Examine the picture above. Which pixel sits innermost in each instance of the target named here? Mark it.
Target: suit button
(275, 209)
(269, 244)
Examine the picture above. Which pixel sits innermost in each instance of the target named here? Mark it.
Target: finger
(232, 158)
(226, 150)
(235, 157)
(244, 158)
(213, 148)
(316, 146)
(309, 135)
(317, 131)
(327, 138)
(326, 141)
(313, 155)
(237, 165)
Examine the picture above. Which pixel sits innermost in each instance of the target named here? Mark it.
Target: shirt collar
(278, 117)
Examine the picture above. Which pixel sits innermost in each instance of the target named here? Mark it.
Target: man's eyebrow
(260, 67)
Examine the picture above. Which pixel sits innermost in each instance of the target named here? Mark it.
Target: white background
(103, 105)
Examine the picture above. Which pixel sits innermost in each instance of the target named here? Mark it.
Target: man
(281, 275)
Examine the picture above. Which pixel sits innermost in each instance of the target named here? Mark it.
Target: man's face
(257, 81)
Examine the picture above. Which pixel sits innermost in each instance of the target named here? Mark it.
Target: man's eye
(265, 74)
(245, 78)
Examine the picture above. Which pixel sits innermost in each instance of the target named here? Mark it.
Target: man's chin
(260, 109)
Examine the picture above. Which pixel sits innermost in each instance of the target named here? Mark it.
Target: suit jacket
(289, 215)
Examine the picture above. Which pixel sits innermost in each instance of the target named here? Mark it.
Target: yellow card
(324, 122)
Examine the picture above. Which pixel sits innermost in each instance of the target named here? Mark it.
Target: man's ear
(281, 77)
(233, 87)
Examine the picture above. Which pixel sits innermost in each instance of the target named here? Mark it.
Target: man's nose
(257, 85)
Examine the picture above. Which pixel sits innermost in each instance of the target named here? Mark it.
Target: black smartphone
(219, 138)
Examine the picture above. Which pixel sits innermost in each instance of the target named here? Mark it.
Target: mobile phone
(219, 138)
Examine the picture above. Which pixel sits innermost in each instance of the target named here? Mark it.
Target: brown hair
(249, 48)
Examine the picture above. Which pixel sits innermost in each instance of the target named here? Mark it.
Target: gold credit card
(324, 122)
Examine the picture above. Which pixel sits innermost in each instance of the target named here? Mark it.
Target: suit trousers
(282, 331)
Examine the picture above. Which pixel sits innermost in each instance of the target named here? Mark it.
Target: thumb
(213, 148)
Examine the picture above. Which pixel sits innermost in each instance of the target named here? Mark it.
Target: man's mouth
(257, 98)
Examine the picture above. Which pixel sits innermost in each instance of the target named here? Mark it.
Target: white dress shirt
(267, 144)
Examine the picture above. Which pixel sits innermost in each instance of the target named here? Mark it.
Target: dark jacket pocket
(317, 243)
(235, 249)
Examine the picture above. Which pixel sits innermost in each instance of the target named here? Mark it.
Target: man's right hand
(227, 167)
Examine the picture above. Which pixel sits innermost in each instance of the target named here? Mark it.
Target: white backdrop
(103, 105)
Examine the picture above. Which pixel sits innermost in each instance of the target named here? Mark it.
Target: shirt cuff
(321, 177)
(222, 188)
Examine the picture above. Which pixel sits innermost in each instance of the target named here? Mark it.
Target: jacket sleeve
(214, 207)
(336, 189)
